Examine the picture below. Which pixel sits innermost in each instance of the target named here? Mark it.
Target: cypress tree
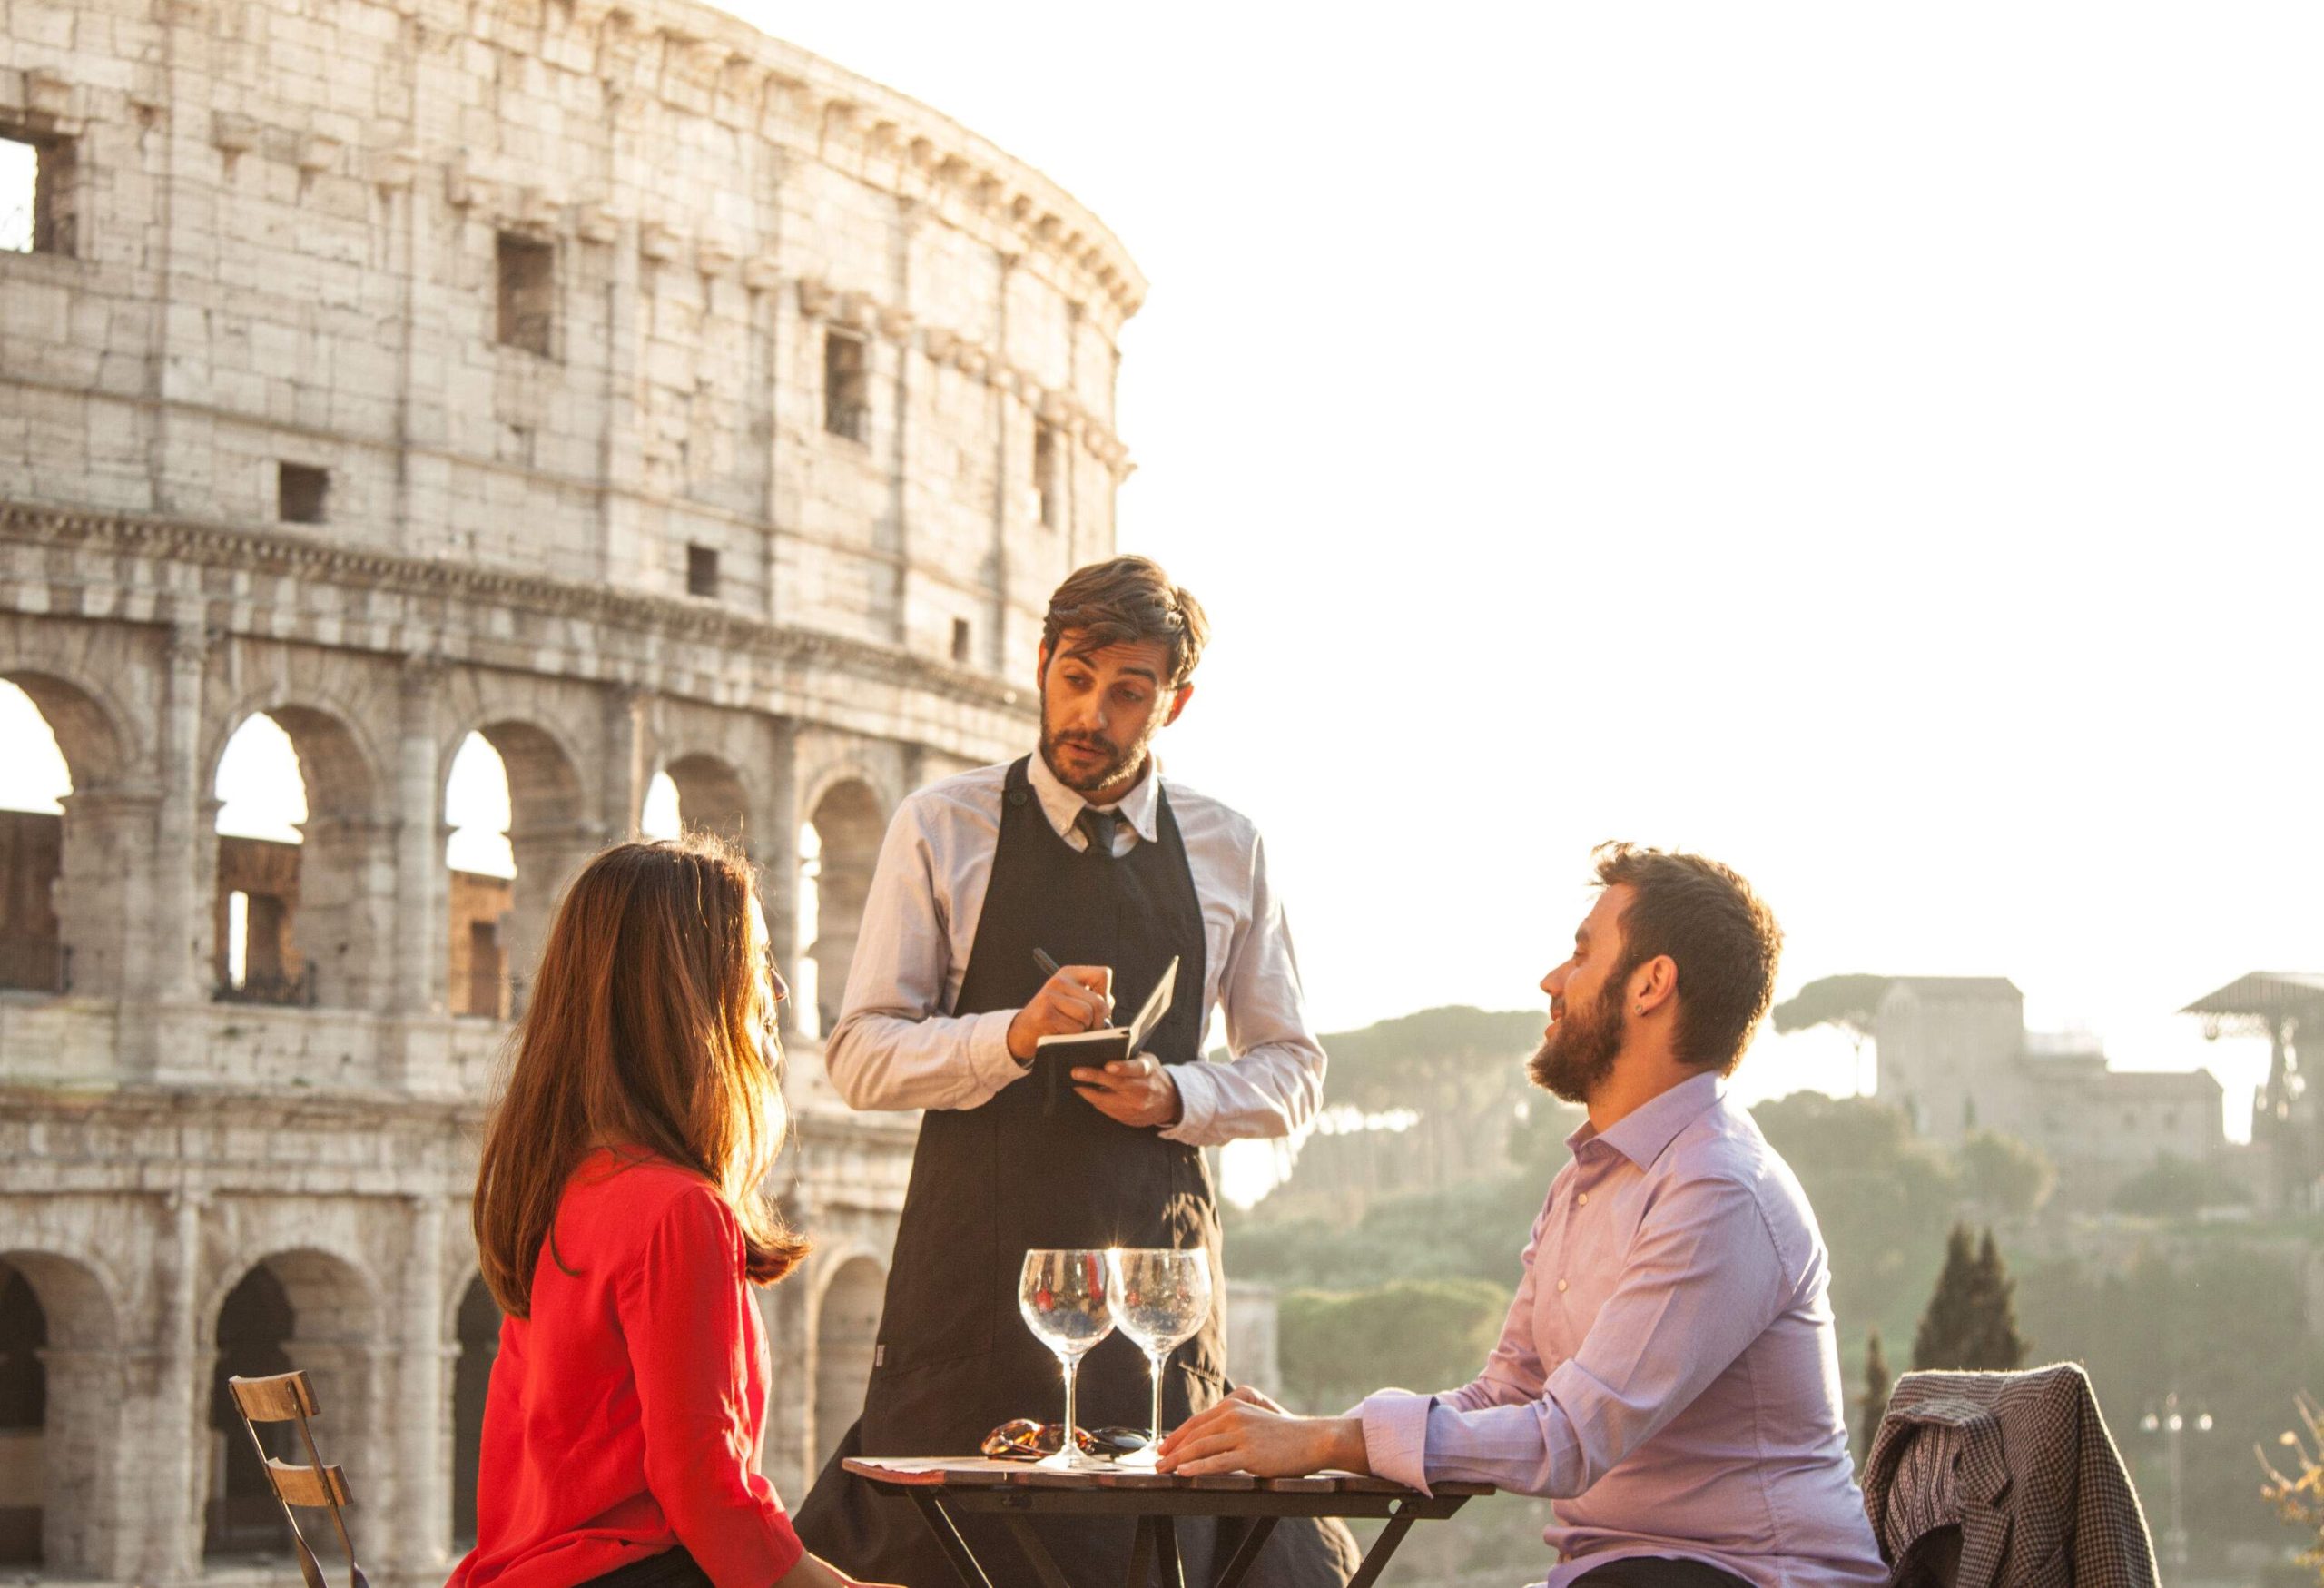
(1948, 1330)
(1997, 1346)
(1875, 1392)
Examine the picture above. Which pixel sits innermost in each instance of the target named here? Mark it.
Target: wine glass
(1063, 1296)
(1161, 1298)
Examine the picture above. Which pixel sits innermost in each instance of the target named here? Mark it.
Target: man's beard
(1578, 1053)
(1117, 761)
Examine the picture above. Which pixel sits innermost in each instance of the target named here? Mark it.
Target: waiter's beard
(1578, 1054)
(1117, 763)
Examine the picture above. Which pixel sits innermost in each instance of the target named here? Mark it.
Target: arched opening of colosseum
(483, 868)
(658, 818)
(305, 1310)
(847, 1330)
(69, 841)
(59, 1393)
(711, 798)
(515, 800)
(305, 869)
(838, 848)
(478, 1333)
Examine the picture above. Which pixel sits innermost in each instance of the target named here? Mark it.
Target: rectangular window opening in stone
(32, 956)
(302, 492)
(528, 293)
(702, 571)
(1048, 475)
(847, 385)
(961, 640)
(487, 970)
(36, 192)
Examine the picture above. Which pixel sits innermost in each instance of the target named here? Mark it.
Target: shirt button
(1560, 1287)
(1582, 1201)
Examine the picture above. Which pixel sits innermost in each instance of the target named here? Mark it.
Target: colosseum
(608, 384)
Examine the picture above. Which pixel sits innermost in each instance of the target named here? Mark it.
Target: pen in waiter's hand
(1049, 967)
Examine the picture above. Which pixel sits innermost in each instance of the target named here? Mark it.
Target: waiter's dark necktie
(1098, 827)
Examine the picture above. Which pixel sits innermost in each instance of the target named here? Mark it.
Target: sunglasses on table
(1023, 1439)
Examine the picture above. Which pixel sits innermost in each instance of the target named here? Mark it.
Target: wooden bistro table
(1015, 1490)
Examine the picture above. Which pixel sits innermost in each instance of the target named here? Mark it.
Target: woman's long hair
(649, 1030)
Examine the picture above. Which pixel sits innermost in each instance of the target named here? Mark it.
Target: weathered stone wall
(548, 294)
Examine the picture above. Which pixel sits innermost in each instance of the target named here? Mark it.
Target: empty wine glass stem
(1070, 1448)
(1157, 1362)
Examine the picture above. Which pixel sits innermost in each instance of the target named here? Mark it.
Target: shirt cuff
(1197, 1103)
(1396, 1437)
(990, 1060)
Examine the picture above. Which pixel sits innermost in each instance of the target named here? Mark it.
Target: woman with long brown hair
(620, 1219)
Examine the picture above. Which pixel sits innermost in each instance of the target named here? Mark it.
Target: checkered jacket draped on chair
(2038, 1490)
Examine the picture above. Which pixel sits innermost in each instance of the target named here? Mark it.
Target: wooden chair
(288, 1398)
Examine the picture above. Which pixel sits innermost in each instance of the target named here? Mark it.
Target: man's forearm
(1268, 1093)
(880, 1061)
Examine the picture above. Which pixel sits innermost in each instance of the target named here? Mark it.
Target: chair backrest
(288, 1398)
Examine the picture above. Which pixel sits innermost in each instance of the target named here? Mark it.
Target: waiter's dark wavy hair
(1123, 601)
(1720, 933)
(648, 1030)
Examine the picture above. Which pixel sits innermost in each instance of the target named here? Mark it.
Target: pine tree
(1875, 1392)
(1997, 1346)
(1948, 1328)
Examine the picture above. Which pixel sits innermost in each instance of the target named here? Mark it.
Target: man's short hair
(1721, 935)
(1124, 601)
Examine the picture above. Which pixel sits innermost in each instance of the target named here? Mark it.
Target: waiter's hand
(1135, 1091)
(1079, 998)
(1247, 1432)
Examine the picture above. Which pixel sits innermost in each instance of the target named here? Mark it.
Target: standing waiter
(1082, 853)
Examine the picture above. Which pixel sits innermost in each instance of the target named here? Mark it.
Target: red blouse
(625, 1413)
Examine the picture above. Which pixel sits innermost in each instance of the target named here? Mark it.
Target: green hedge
(1338, 1346)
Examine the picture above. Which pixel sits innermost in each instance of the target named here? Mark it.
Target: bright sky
(19, 164)
(1872, 445)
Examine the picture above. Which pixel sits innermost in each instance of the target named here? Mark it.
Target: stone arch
(549, 835)
(86, 722)
(302, 1309)
(58, 1433)
(338, 920)
(477, 1344)
(712, 797)
(847, 1331)
(839, 848)
(817, 785)
(65, 878)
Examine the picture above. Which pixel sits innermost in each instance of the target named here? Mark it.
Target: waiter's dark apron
(1027, 1169)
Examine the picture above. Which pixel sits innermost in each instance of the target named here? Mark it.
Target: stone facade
(1953, 1054)
(617, 383)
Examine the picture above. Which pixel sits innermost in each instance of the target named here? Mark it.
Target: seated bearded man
(1668, 1373)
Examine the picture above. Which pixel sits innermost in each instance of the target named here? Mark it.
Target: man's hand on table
(1079, 998)
(1247, 1432)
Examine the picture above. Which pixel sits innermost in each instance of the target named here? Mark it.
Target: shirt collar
(1063, 807)
(1641, 1134)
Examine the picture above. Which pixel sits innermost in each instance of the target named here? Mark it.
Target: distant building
(1955, 1055)
(1947, 1047)
(2288, 1112)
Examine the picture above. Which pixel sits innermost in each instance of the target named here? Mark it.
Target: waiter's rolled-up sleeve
(1274, 1083)
(894, 1048)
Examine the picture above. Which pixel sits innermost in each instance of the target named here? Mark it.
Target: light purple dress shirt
(1669, 1372)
